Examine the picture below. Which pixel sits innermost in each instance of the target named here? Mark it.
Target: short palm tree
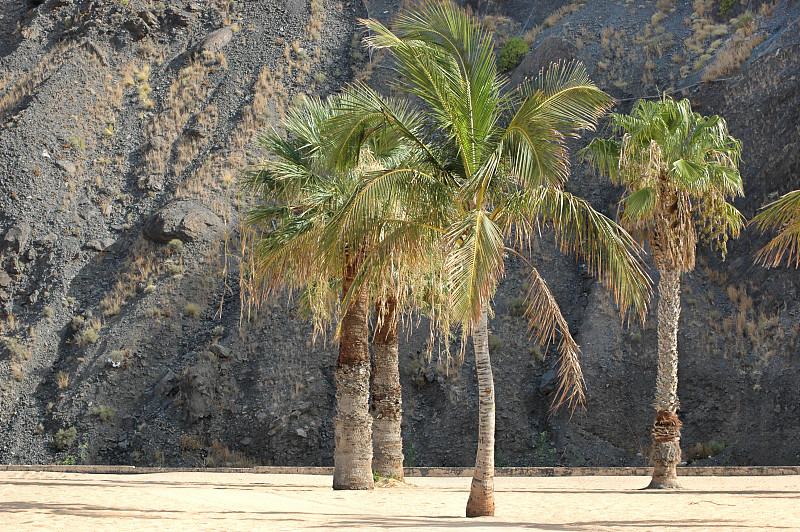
(782, 215)
(301, 196)
(488, 170)
(678, 169)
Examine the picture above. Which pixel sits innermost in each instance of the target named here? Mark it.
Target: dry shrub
(732, 57)
(531, 34)
(560, 13)
(702, 7)
(502, 27)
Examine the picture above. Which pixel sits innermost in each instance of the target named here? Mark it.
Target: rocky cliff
(123, 129)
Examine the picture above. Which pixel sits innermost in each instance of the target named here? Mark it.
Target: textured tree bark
(387, 409)
(352, 425)
(481, 494)
(667, 427)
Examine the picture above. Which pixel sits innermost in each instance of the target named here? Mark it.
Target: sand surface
(229, 501)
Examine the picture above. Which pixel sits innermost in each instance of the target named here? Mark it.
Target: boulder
(548, 382)
(150, 19)
(67, 166)
(186, 220)
(17, 237)
(220, 351)
(136, 27)
(198, 388)
(99, 244)
(216, 40)
(178, 17)
(550, 50)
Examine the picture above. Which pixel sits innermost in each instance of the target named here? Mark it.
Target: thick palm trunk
(352, 455)
(667, 426)
(481, 494)
(387, 411)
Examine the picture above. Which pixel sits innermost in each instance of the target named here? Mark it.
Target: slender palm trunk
(667, 426)
(387, 410)
(352, 426)
(481, 493)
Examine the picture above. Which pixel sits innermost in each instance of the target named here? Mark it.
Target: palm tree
(782, 215)
(489, 169)
(301, 196)
(678, 169)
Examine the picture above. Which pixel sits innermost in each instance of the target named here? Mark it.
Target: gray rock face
(197, 386)
(551, 50)
(150, 19)
(185, 220)
(221, 351)
(178, 17)
(137, 27)
(216, 40)
(548, 382)
(99, 244)
(17, 237)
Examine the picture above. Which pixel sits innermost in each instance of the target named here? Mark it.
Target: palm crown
(678, 169)
(488, 169)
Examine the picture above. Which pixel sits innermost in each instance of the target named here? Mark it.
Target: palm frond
(603, 155)
(561, 102)
(565, 97)
(446, 58)
(474, 265)
(638, 206)
(783, 247)
(362, 115)
(610, 252)
(782, 215)
(544, 321)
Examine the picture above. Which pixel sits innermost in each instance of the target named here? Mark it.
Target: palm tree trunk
(352, 425)
(481, 494)
(667, 426)
(387, 411)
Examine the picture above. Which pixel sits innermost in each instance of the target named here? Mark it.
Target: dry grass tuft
(732, 56)
(560, 13)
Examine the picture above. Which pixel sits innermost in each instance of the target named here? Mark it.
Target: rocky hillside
(123, 129)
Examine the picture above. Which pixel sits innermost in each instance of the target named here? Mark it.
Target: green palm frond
(603, 154)
(474, 265)
(561, 102)
(610, 252)
(564, 97)
(403, 192)
(362, 115)
(782, 215)
(446, 59)
(638, 206)
(679, 169)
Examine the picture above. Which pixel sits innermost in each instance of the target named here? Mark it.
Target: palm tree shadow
(419, 523)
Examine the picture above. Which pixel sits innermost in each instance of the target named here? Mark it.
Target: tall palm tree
(301, 195)
(678, 169)
(782, 215)
(489, 169)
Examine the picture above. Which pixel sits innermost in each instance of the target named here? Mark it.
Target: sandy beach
(31, 500)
